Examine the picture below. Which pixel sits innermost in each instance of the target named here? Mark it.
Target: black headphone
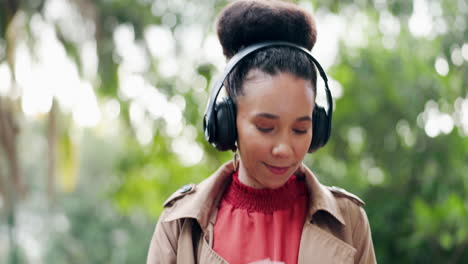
(219, 122)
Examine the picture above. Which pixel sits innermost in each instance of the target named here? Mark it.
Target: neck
(244, 178)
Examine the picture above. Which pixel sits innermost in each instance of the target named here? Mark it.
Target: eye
(264, 129)
(300, 131)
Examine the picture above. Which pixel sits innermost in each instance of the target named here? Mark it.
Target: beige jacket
(336, 230)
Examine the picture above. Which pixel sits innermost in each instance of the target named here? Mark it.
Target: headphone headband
(241, 55)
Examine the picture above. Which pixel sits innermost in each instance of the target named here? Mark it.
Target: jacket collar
(203, 199)
(320, 197)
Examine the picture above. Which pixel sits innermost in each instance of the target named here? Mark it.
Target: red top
(254, 225)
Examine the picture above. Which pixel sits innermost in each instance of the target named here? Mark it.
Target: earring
(236, 161)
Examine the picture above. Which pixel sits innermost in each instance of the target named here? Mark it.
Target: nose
(282, 150)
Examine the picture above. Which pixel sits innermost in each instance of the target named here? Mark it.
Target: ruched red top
(260, 225)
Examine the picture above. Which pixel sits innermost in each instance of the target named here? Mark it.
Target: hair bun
(246, 22)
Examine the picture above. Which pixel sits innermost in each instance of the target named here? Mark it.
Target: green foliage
(415, 186)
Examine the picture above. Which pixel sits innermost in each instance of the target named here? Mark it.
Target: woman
(265, 206)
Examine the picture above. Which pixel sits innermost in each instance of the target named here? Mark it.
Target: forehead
(281, 94)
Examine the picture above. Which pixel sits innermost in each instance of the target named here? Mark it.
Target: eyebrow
(272, 116)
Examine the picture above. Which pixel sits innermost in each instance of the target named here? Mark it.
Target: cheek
(252, 141)
(307, 140)
(302, 146)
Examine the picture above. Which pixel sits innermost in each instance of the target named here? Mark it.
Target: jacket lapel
(320, 197)
(319, 246)
(209, 256)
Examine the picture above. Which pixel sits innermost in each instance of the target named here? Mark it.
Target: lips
(277, 170)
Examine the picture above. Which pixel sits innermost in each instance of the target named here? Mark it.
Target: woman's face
(274, 124)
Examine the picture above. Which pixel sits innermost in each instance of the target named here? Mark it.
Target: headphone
(219, 121)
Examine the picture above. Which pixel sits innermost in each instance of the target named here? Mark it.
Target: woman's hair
(247, 22)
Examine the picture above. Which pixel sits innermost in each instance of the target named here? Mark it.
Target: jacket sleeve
(363, 240)
(163, 247)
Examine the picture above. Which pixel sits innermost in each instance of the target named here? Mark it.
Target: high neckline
(264, 200)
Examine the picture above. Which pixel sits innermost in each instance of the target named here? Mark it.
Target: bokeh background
(101, 105)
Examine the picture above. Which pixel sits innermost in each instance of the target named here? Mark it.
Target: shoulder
(197, 200)
(204, 190)
(319, 191)
(349, 204)
(180, 194)
(351, 208)
(183, 203)
(340, 193)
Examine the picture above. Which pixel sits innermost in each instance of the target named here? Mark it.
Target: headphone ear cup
(226, 129)
(320, 133)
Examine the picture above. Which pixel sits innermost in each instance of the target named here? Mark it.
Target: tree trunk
(8, 139)
(10, 178)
